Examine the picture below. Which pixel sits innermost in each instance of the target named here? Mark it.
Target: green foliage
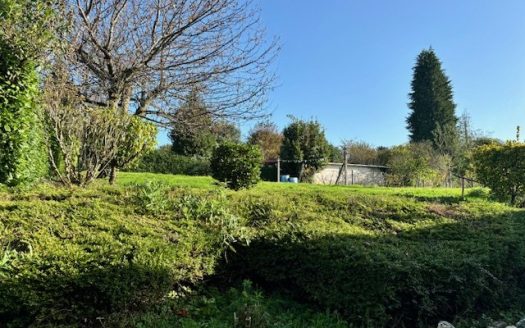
(23, 156)
(68, 256)
(431, 102)
(240, 307)
(410, 165)
(215, 215)
(383, 260)
(29, 27)
(500, 167)
(379, 257)
(164, 160)
(152, 197)
(140, 137)
(335, 154)
(305, 144)
(268, 138)
(237, 165)
(196, 132)
(28, 31)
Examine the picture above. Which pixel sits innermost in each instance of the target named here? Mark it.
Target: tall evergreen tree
(431, 102)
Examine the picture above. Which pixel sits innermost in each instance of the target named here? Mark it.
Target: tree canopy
(195, 132)
(305, 148)
(145, 55)
(432, 108)
(268, 138)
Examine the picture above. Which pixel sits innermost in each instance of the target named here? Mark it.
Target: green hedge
(388, 261)
(23, 156)
(70, 256)
(164, 160)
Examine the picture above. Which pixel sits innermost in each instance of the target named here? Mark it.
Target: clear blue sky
(348, 63)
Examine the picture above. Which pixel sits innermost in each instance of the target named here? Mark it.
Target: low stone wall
(357, 174)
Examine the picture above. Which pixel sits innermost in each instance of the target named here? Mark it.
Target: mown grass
(141, 254)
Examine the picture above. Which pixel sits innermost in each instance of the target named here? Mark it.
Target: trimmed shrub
(26, 35)
(164, 160)
(502, 169)
(23, 157)
(237, 165)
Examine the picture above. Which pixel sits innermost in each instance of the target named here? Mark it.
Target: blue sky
(349, 63)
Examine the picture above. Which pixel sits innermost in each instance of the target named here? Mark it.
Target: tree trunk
(112, 174)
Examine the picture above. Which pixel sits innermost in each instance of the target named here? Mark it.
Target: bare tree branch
(145, 56)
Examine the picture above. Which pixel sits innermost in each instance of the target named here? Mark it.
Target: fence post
(462, 188)
(345, 155)
(278, 169)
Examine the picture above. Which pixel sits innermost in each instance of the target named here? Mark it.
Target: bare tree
(86, 141)
(145, 56)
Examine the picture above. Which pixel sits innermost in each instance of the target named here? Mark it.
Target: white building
(360, 174)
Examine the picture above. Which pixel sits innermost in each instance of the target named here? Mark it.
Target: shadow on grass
(84, 300)
(414, 278)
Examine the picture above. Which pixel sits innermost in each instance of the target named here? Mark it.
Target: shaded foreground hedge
(379, 257)
(384, 261)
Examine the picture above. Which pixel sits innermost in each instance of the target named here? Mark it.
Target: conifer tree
(431, 102)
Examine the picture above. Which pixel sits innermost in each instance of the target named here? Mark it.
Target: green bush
(383, 261)
(500, 167)
(411, 165)
(237, 165)
(23, 156)
(239, 307)
(70, 256)
(164, 160)
(26, 35)
(152, 197)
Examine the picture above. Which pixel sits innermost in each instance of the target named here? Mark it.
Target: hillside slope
(373, 256)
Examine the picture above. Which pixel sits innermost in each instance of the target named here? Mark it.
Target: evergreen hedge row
(23, 155)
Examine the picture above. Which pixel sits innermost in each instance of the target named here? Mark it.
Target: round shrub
(237, 165)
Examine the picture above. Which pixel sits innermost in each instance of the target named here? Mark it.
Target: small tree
(195, 132)
(268, 138)
(237, 165)
(410, 165)
(191, 131)
(360, 152)
(502, 169)
(305, 147)
(86, 142)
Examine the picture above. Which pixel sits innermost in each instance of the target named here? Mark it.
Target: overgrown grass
(140, 253)
(242, 307)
